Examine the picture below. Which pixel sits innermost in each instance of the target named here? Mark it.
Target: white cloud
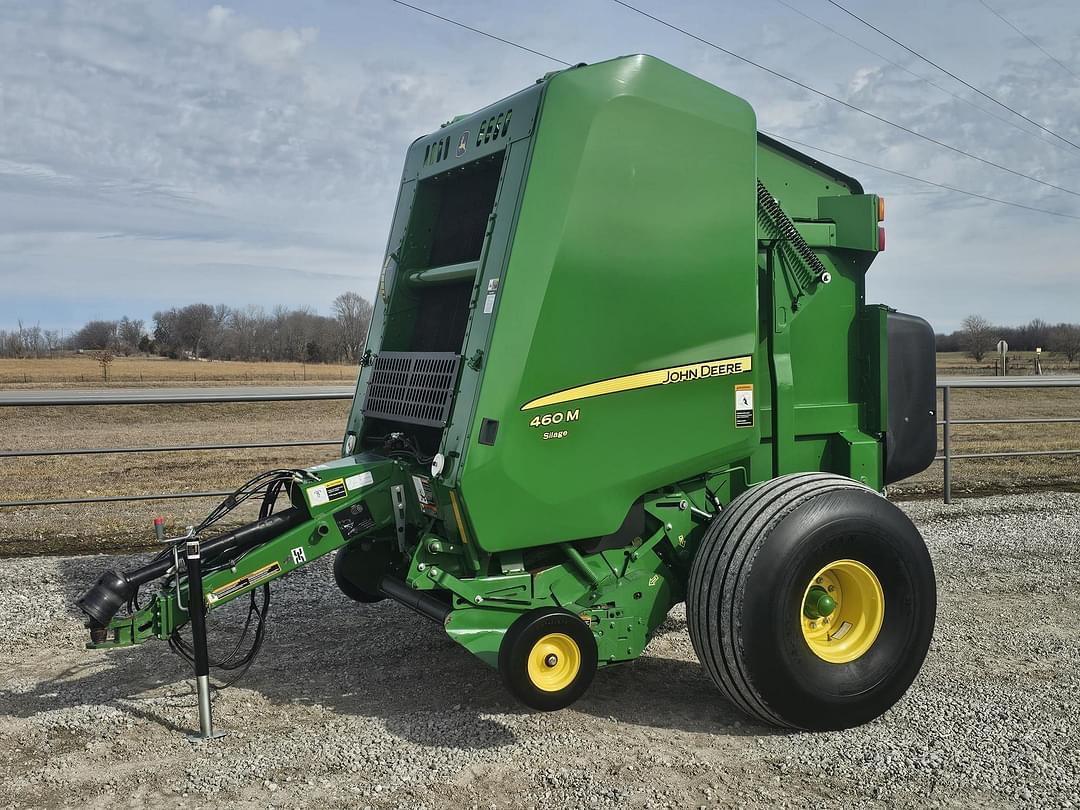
(166, 150)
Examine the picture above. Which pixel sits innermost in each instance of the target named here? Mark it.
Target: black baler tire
(347, 586)
(746, 582)
(519, 640)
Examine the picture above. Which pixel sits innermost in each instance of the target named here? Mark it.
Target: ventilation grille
(413, 387)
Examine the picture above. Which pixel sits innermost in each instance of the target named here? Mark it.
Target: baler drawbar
(620, 358)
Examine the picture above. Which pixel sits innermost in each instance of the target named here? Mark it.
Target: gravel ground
(352, 706)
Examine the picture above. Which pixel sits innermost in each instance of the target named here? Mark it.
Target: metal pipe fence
(946, 422)
(194, 396)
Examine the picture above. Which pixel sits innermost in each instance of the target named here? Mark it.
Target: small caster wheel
(547, 658)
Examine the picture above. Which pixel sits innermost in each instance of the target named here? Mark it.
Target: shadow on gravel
(376, 661)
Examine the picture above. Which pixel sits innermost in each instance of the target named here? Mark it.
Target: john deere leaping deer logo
(463, 144)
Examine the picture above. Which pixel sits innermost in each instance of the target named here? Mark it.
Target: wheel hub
(818, 603)
(843, 608)
(554, 662)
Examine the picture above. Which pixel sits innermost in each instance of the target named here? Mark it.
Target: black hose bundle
(270, 484)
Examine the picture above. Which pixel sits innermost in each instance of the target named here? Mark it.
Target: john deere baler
(620, 358)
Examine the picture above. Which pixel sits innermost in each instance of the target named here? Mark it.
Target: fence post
(945, 442)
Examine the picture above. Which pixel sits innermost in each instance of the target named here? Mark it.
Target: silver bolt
(813, 625)
(421, 566)
(818, 580)
(832, 588)
(479, 600)
(682, 506)
(551, 660)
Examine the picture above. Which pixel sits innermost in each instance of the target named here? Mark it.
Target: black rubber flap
(911, 438)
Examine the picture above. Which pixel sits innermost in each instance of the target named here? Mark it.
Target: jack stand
(193, 562)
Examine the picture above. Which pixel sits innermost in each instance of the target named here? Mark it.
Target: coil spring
(782, 227)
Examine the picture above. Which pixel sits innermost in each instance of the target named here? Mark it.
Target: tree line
(209, 332)
(978, 337)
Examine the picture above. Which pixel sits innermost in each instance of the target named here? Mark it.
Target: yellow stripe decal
(457, 518)
(645, 379)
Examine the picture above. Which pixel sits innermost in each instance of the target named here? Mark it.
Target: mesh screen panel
(413, 387)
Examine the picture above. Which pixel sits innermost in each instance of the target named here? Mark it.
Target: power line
(847, 104)
(481, 33)
(790, 140)
(953, 75)
(1048, 55)
(922, 78)
(907, 176)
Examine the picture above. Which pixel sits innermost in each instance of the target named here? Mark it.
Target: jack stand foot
(206, 718)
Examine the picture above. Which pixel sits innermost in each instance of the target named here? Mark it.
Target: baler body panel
(638, 210)
(590, 248)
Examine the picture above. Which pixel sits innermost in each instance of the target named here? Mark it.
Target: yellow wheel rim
(845, 629)
(554, 662)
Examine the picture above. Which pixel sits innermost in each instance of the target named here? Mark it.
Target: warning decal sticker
(744, 406)
(324, 493)
(238, 585)
(364, 479)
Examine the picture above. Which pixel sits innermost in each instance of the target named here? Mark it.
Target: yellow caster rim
(842, 610)
(554, 662)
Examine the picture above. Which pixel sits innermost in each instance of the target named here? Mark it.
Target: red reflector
(158, 521)
(881, 240)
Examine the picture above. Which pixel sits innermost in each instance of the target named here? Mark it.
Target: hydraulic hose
(113, 589)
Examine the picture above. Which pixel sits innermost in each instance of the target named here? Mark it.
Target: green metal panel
(634, 252)
(595, 251)
(622, 240)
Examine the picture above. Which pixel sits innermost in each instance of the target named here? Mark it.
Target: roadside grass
(83, 371)
(959, 364)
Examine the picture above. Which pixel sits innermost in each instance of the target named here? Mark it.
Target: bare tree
(129, 333)
(104, 358)
(205, 330)
(198, 326)
(1036, 334)
(195, 328)
(977, 336)
(96, 335)
(353, 313)
(1066, 339)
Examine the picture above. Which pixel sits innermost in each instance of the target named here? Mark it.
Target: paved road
(138, 396)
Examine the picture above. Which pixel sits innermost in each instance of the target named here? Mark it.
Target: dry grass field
(997, 475)
(83, 371)
(958, 364)
(127, 525)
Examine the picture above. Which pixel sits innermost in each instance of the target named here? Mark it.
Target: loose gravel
(369, 706)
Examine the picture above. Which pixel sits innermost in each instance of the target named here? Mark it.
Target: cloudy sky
(158, 153)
